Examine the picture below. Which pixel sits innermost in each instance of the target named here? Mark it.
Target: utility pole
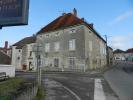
(107, 54)
(38, 64)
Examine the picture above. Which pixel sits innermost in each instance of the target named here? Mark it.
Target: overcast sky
(111, 17)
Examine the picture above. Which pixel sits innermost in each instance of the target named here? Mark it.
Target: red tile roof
(129, 50)
(64, 21)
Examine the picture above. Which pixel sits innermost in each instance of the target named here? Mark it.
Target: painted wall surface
(9, 69)
(16, 58)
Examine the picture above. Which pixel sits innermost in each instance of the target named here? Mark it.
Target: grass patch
(40, 94)
(6, 98)
(10, 86)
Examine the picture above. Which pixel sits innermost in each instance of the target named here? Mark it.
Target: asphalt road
(70, 86)
(121, 81)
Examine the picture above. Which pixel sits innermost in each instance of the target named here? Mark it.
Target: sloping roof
(129, 50)
(119, 51)
(110, 47)
(25, 41)
(64, 21)
(4, 59)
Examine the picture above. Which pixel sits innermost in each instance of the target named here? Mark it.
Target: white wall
(9, 69)
(15, 55)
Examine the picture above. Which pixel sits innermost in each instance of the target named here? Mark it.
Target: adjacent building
(6, 49)
(23, 57)
(129, 55)
(70, 43)
(110, 55)
(4, 59)
(119, 55)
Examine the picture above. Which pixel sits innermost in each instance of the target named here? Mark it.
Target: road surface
(121, 81)
(74, 86)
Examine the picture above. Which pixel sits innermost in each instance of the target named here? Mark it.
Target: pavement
(121, 81)
(74, 86)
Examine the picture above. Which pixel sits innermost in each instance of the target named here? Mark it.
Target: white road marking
(69, 90)
(98, 91)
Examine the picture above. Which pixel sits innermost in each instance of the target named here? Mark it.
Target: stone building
(129, 55)
(110, 55)
(23, 57)
(6, 49)
(70, 43)
(119, 55)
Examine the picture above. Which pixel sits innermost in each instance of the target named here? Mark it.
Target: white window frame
(47, 35)
(47, 47)
(57, 34)
(72, 44)
(72, 30)
(56, 46)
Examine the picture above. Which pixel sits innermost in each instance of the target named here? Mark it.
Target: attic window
(72, 31)
(47, 35)
(57, 34)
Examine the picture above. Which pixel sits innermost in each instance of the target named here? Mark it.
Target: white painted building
(23, 57)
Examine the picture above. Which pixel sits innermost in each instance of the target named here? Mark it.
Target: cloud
(122, 17)
(121, 42)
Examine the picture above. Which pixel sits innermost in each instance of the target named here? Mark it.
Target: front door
(72, 63)
(56, 62)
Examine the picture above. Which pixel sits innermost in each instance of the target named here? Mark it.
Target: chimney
(63, 13)
(91, 25)
(82, 19)
(6, 45)
(74, 12)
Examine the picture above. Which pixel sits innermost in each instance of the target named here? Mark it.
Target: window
(72, 62)
(57, 34)
(56, 46)
(19, 50)
(18, 58)
(47, 47)
(30, 53)
(47, 35)
(72, 44)
(72, 31)
(90, 45)
(56, 62)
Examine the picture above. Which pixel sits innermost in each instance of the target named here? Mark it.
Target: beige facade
(79, 49)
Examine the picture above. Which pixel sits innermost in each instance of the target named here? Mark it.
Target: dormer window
(72, 31)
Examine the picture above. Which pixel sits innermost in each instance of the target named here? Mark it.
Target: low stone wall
(9, 69)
